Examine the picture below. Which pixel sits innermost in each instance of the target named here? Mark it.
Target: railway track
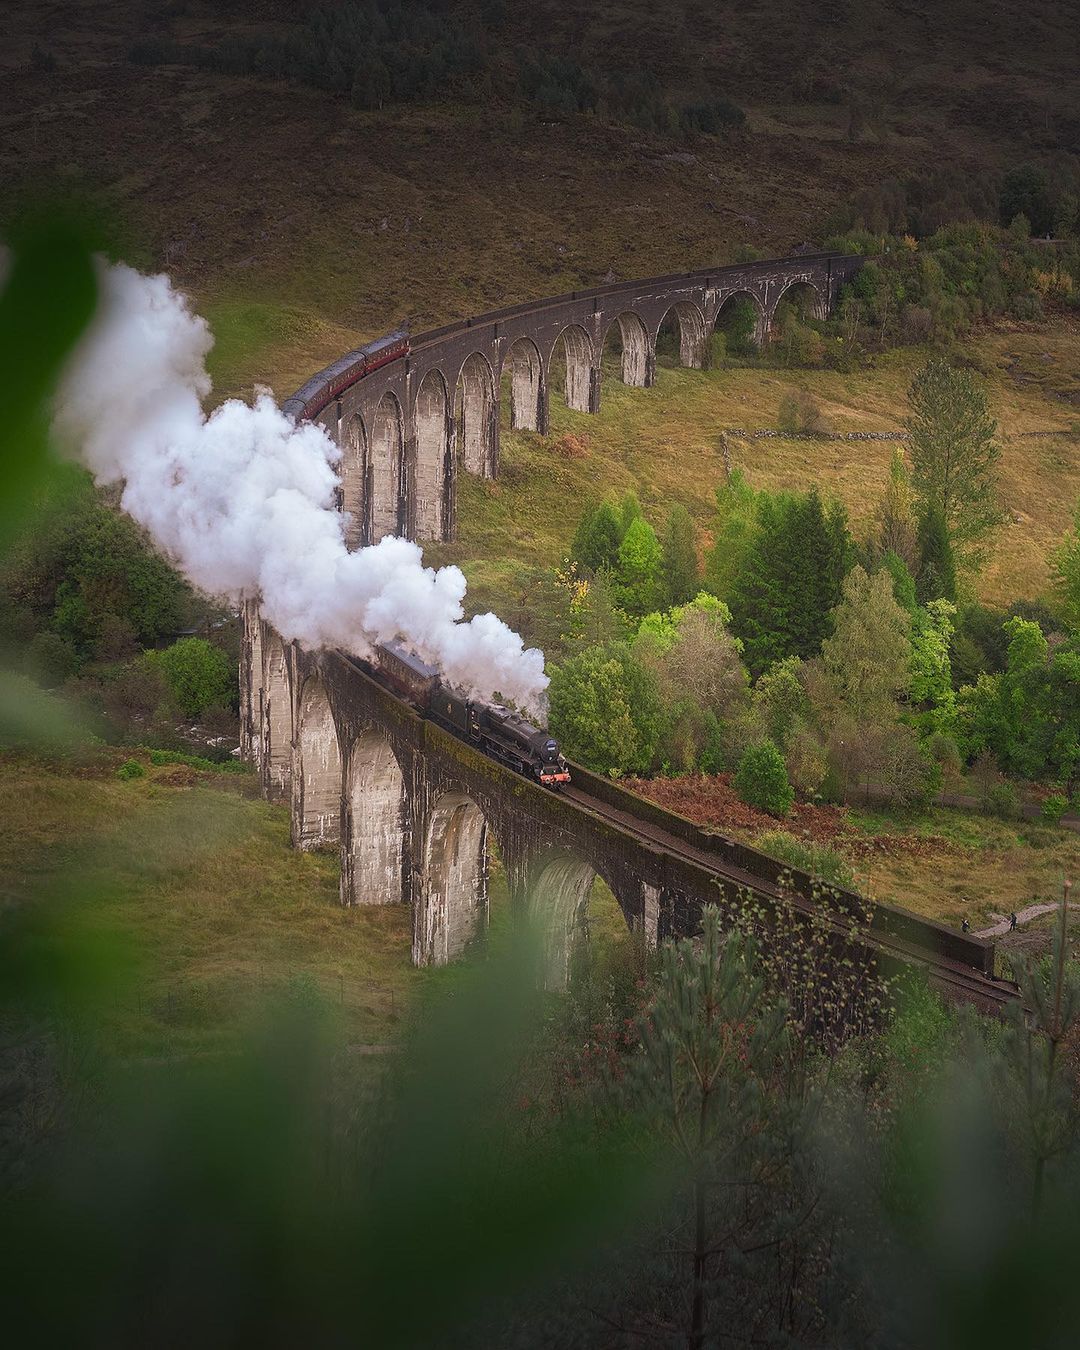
(952, 978)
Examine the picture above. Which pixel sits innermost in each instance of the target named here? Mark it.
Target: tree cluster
(92, 608)
(796, 656)
(409, 51)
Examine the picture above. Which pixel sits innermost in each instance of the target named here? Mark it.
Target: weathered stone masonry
(408, 429)
(411, 809)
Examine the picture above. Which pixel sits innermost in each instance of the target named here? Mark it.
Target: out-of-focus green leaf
(32, 717)
(46, 301)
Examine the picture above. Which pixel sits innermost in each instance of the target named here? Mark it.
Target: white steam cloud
(242, 500)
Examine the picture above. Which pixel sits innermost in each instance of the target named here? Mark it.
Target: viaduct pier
(411, 807)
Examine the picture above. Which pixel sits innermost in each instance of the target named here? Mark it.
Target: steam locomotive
(498, 732)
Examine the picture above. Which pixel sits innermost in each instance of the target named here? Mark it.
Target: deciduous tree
(638, 581)
(604, 710)
(954, 454)
(1065, 569)
(867, 658)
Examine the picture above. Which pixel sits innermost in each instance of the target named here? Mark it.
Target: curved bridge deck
(412, 809)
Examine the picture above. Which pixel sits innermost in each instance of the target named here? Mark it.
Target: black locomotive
(500, 733)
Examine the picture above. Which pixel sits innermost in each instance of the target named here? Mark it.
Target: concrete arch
(373, 838)
(434, 470)
(356, 482)
(453, 903)
(727, 308)
(807, 298)
(638, 370)
(528, 395)
(388, 478)
(277, 720)
(316, 776)
(693, 331)
(476, 414)
(577, 350)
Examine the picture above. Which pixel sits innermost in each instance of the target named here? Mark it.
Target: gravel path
(1022, 916)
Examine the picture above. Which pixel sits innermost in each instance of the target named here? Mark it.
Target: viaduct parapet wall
(412, 810)
(411, 426)
(410, 807)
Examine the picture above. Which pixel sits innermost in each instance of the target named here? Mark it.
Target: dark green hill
(301, 215)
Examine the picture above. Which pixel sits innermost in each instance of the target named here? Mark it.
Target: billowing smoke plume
(242, 500)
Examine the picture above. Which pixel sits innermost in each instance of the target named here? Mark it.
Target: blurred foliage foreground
(679, 1151)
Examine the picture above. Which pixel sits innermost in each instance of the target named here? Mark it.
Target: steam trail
(243, 500)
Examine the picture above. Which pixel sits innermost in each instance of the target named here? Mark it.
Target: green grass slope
(665, 443)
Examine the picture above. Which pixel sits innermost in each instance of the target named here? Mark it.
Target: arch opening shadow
(434, 470)
(800, 303)
(523, 380)
(565, 895)
(570, 368)
(373, 843)
(453, 906)
(626, 352)
(387, 453)
(475, 417)
(803, 299)
(277, 722)
(356, 483)
(742, 322)
(680, 338)
(316, 778)
(255, 695)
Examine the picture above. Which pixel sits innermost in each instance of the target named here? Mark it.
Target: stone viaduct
(410, 427)
(411, 808)
(413, 811)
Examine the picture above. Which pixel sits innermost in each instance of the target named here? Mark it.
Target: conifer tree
(733, 531)
(681, 575)
(937, 570)
(629, 511)
(791, 578)
(596, 540)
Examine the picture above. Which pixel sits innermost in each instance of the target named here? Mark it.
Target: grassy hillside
(665, 443)
(187, 878)
(214, 909)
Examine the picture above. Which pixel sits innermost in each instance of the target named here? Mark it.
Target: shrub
(715, 350)
(818, 859)
(50, 659)
(800, 414)
(131, 769)
(1054, 807)
(200, 762)
(1001, 800)
(200, 676)
(761, 780)
(136, 689)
